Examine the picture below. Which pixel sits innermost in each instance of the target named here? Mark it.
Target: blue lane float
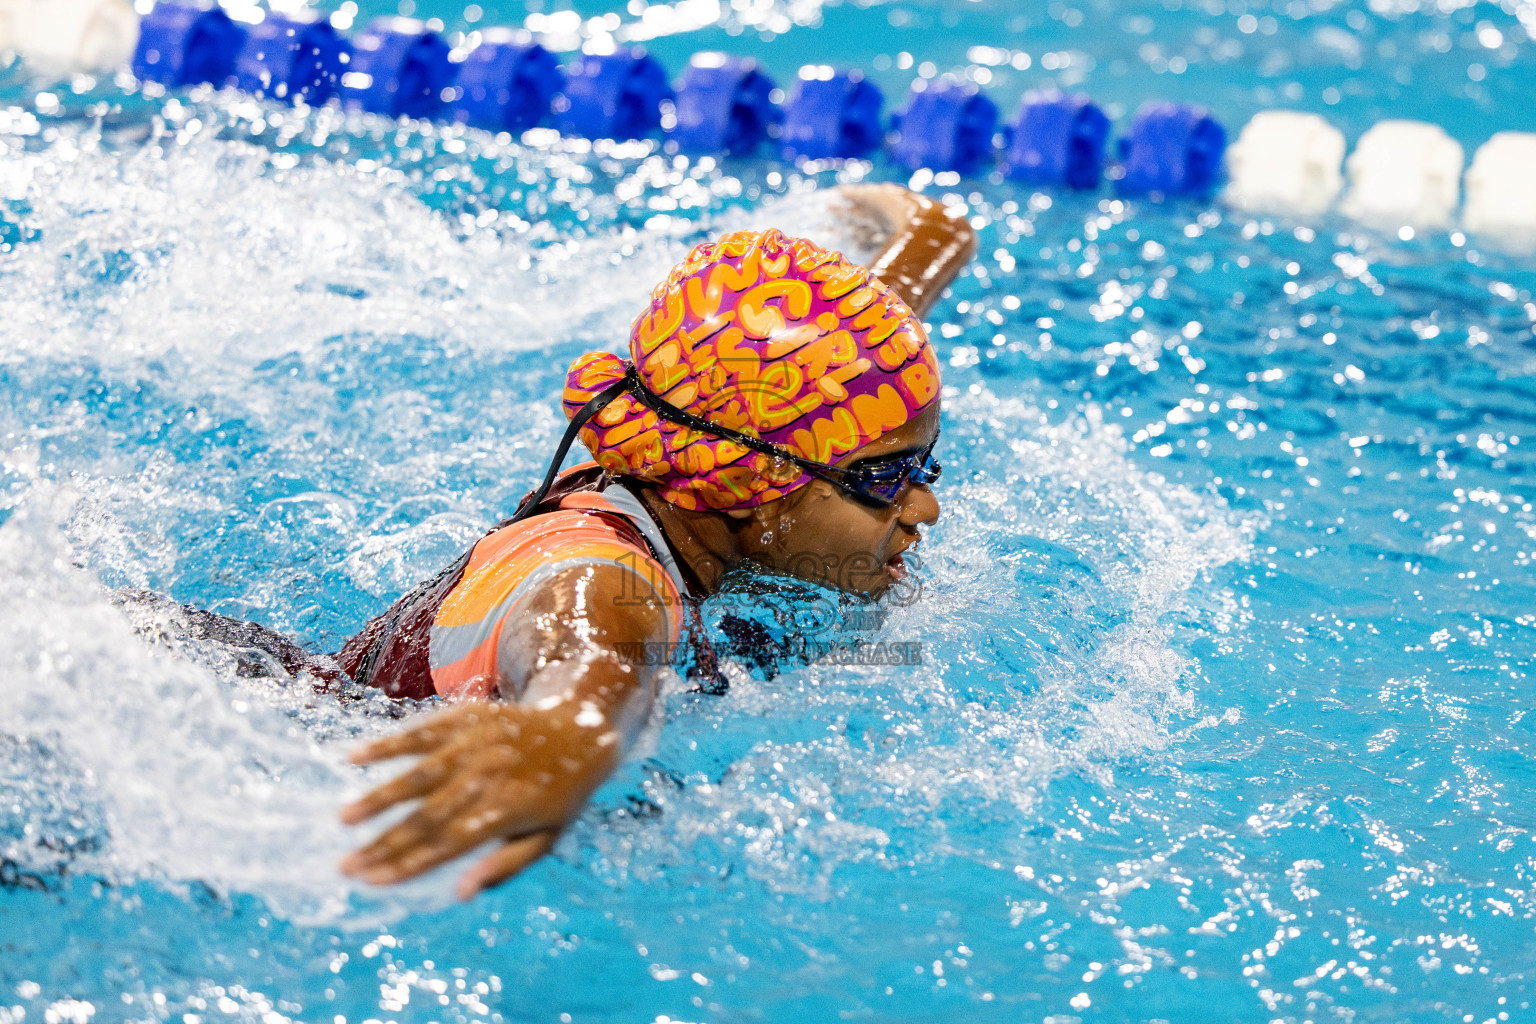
(612, 96)
(946, 126)
(291, 59)
(506, 84)
(832, 114)
(184, 45)
(1174, 149)
(398, 68)
(1057, 139)
(1286, 160)
(724, 105)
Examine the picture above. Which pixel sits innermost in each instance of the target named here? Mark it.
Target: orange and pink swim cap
(767, 335)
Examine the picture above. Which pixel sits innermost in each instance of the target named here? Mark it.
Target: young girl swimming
(780, 406)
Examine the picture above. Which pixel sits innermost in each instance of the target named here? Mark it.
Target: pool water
(1226, 633)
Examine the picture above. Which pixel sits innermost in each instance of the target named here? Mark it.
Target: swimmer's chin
(877, 584)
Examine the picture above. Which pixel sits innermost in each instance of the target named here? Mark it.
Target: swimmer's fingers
(504, 862)
(499, 815)
(496, 723)
(501, 772)
(419, 781)
(472, 808)
(375, 861)
(421, 739)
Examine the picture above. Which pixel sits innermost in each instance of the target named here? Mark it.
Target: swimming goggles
(881, 480)
(876, 482)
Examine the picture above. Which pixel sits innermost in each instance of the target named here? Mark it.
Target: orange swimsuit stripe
(472, 675)
(507, 565)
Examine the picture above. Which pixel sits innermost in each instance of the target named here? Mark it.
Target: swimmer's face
(822, 534)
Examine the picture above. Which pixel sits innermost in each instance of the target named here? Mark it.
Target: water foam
(211, 249)
(176, 766)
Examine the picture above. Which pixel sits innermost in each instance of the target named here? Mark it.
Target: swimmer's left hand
(489, 771)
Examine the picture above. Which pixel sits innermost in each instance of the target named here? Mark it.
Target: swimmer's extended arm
(926, 245)
(520, 769)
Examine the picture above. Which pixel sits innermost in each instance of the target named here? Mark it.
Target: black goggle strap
(667, 411)
(635, 387)
(594, 406)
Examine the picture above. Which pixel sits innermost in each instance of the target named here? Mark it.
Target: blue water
(1227, 629)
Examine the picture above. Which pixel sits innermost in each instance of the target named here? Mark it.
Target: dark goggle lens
(927, 471)
(887, 481)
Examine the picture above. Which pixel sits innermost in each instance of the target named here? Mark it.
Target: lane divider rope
(1286, 162)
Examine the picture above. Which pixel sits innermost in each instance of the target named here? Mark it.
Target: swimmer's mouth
(896, 566)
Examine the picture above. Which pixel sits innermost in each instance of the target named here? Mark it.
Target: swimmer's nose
(919, 506)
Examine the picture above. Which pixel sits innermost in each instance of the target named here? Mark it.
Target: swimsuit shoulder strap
(615, 499)
(704, 669)
(362, 652)
(588, 476)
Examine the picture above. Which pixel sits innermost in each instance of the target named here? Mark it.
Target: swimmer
(779, 406)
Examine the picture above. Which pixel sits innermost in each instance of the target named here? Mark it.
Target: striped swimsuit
(441, 638)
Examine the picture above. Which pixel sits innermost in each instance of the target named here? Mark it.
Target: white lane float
(1501, 190)
(1286, 161)
(70, 35)
(1404, 174)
